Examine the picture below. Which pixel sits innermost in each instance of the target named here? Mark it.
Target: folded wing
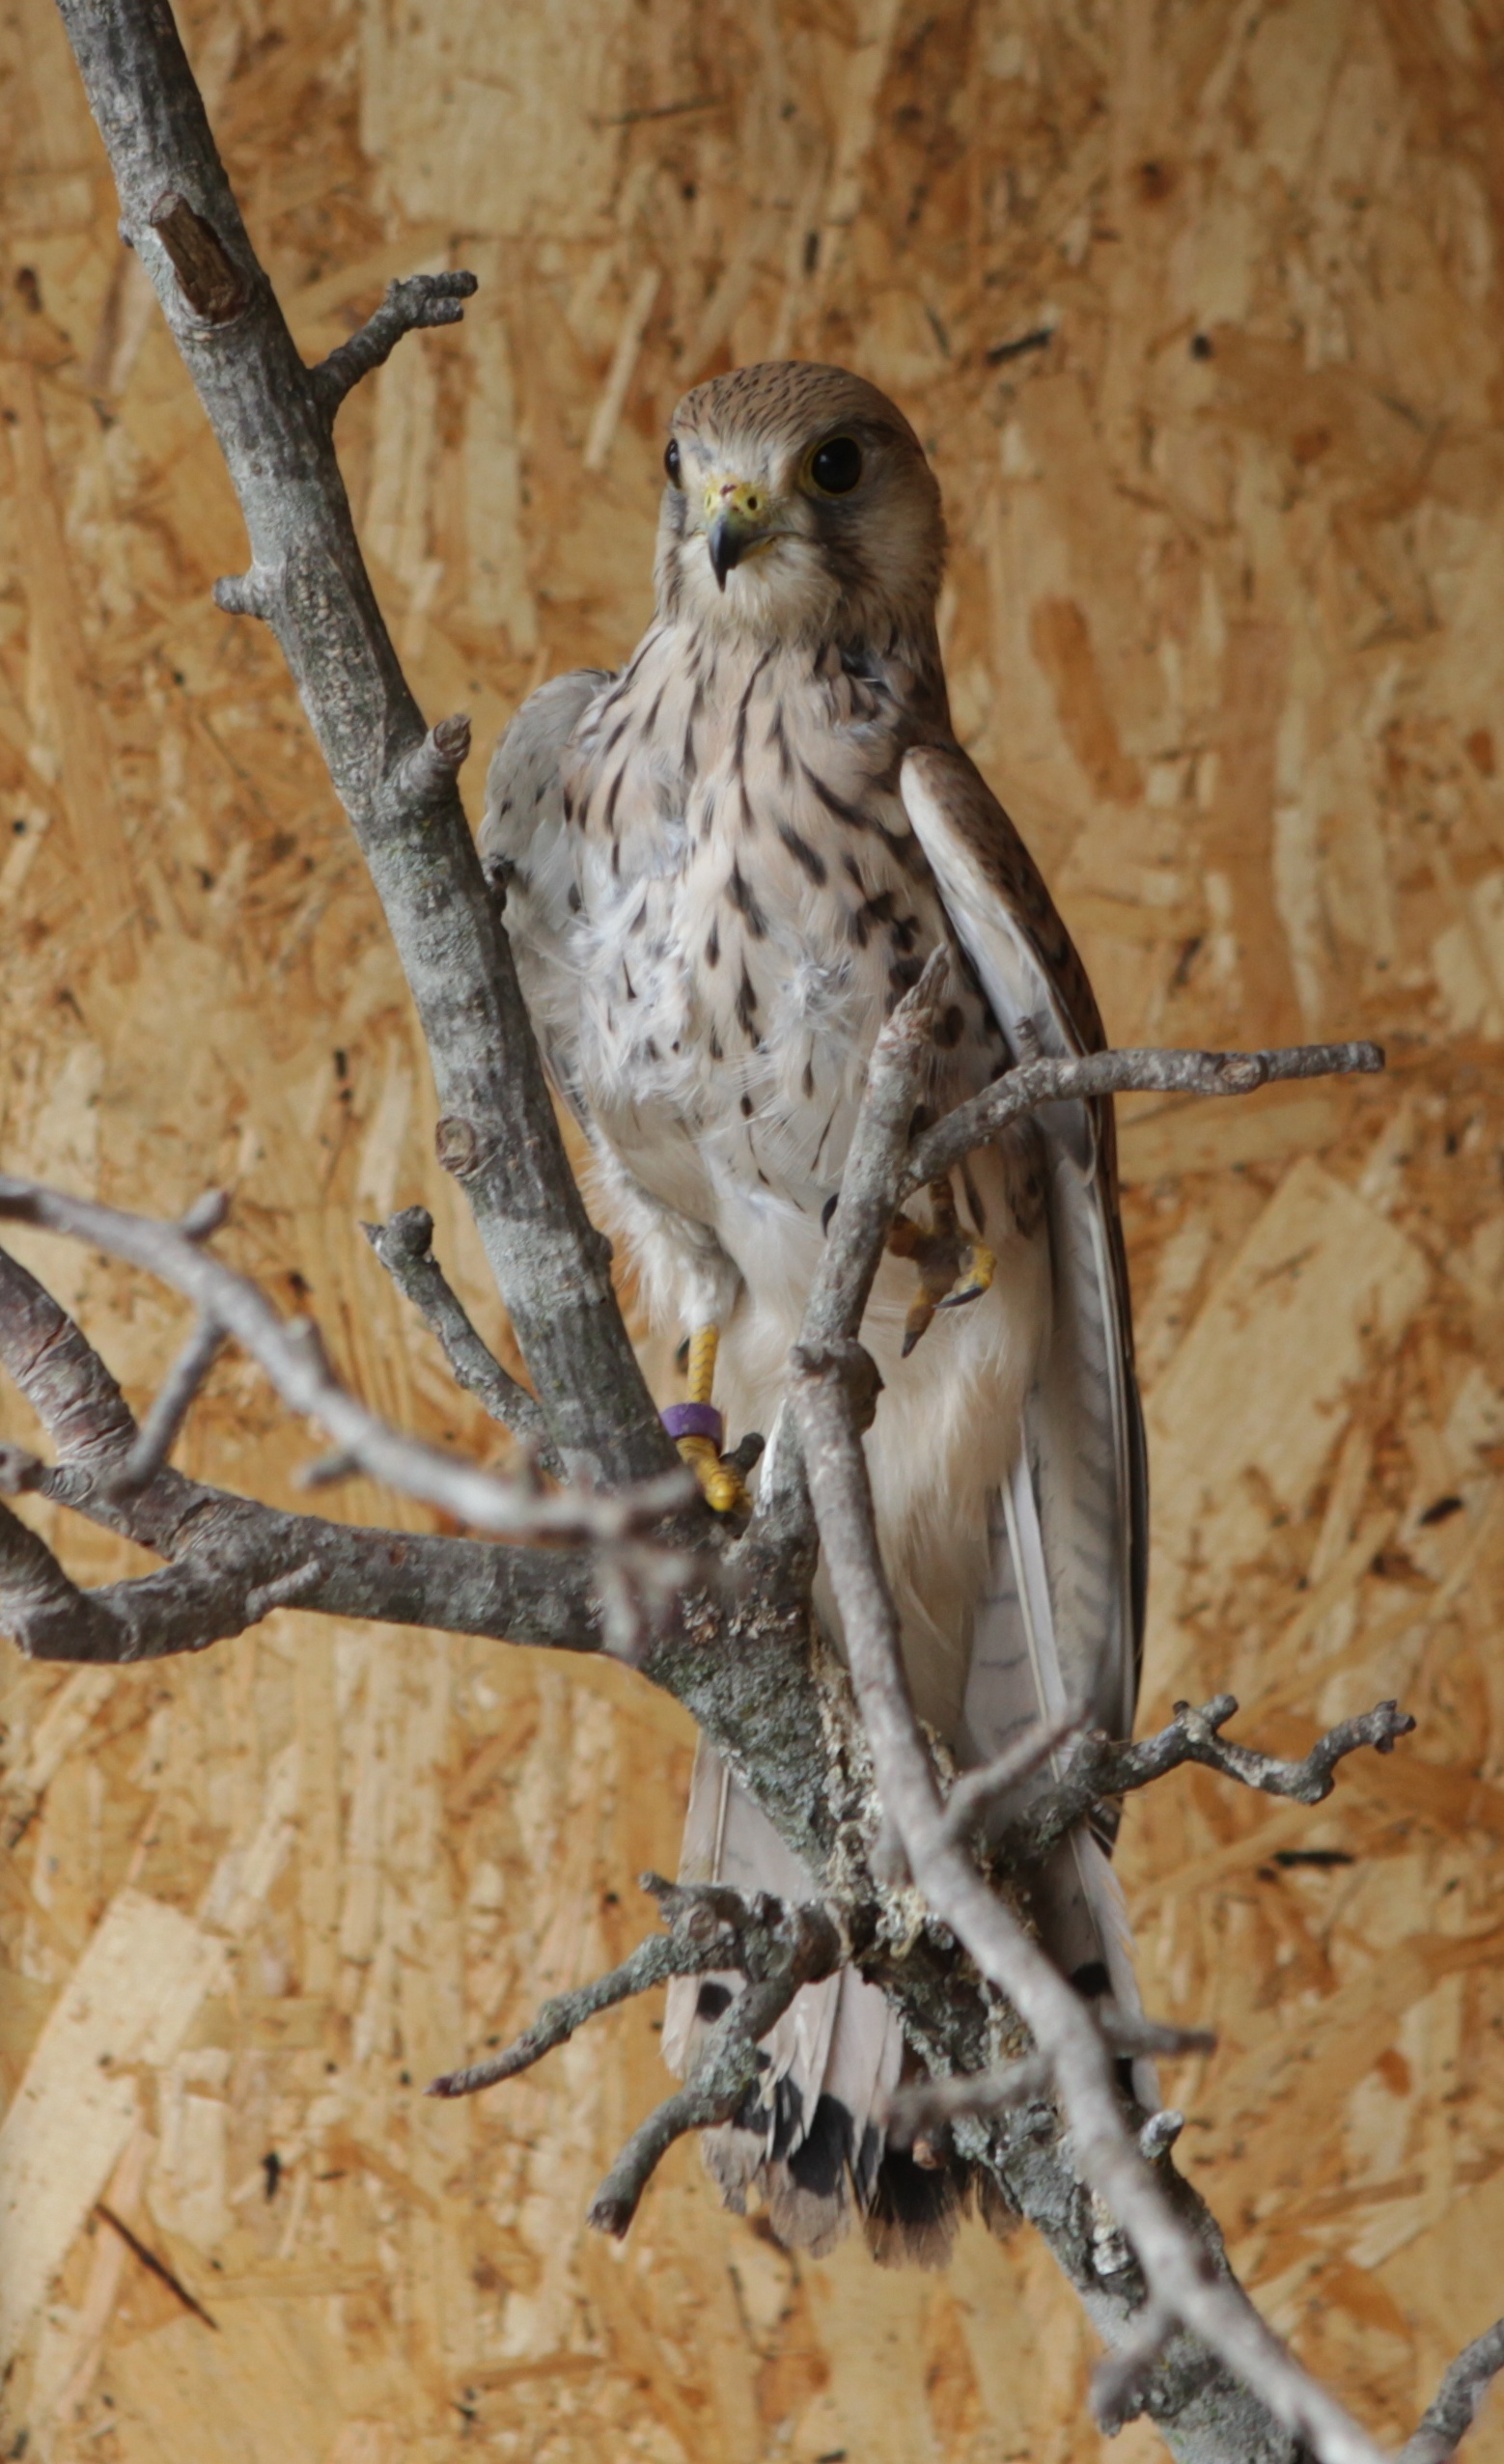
(1063, 1619)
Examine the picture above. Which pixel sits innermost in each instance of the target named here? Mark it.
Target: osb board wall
(1199, 312)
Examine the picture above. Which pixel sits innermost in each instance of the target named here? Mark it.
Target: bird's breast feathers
(751, 901)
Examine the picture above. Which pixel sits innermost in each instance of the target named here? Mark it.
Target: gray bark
(273, 420)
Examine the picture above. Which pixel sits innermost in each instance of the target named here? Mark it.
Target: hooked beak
(736, 523)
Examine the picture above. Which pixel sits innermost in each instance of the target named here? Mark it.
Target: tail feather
(810, 2136)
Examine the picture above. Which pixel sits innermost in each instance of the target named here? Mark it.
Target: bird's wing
(527, 849)
(1066, 1607)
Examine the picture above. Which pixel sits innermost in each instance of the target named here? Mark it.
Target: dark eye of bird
(836, 467)
(671, 462)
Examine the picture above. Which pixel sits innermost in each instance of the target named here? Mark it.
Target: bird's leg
(695, 1426)
(952, 1269)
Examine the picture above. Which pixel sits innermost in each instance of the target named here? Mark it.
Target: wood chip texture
(1199, 311)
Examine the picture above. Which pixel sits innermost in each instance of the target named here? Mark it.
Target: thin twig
(293, 1356)
(1024, 1089)
(796, 1947)
(976, 1792)
(416, 301)
(929, 2105)
(174, 1402)
(1118, 2380)
(404, 1246)
(1101, 1769)
(652, 1963)
(1456, 2405)
(725, 2071)
(775, 1947)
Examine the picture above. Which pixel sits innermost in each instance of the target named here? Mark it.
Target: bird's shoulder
(523, 785)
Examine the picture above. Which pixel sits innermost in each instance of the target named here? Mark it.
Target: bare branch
(237, 1558)
(1180, 2272)
(775, 1947)
(725, 2072)
(797, 1947)
(976, 1792)
(418, 300)
(293, 1356)
(1454, 2407)
(1119, 2382)
(709, 1926)
(172, 1406)
(652, 1963)
(931, 2105)
(884, 1169)
(404, 1247)
(307, 578)
(1033, 1083)
(856, 1230)
(1101, 1769)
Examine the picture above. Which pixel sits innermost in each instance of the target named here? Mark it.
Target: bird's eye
(671, 460)
(836, 467)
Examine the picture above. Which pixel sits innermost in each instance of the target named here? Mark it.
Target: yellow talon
(976, 1280)
(952, 1269)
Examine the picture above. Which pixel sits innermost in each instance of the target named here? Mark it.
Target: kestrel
(724, 865)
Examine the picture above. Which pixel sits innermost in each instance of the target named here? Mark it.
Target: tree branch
(420, 300)
(404, 1247)
(291, 1354)
(272, 417)
(831, 1392)
(777, 1947)
(652, 1963)
(1456, 2405)
(931, 2105)
(1101, 1769)
(234, 1554)
(725, 2072)
(174, 1402)
(1034, 1083)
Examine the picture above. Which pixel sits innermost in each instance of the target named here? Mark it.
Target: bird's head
(799, 508)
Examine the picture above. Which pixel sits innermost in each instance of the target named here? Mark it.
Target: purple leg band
(695, 1420)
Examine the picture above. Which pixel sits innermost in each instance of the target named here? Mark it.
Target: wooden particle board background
(1197, 307)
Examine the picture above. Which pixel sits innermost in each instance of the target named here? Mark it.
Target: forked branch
(1101, 1769)
(775, 1947)
(293, 1356)
(230, 1559)
(417, 301)
(404, 1247)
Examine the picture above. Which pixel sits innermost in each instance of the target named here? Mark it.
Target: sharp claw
(977, 1279)
(921, 1311)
